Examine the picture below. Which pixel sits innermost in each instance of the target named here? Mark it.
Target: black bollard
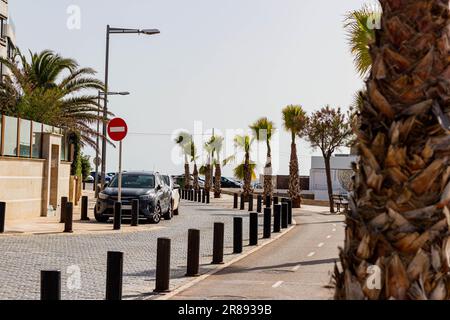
(237, 235)
(199, 196)
(50, 285)
(250, 202)
(218, 243)
(275, 200)
(193, 253)
(204, 196)
(191, 195)
(114, 275)
(117, 215)
(62, 210)
(268, 201)
(135, 213)
(284, 215)
(267, 222)
(68, 213)
(289, 202)
(84, 208)
(259, 204)
(242, 202)
(277, 218)
(162, 265)
(235, 201)
(253, 228)
(195, 195)
(2, 216)
(207, 198)
(84, 185)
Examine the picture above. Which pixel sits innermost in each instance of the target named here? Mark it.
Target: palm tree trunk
(187, 175)
(195, 175)
(217, 181)
(294, 181)
(397, 236)
(247, 176)
(268, 185)
(208, 178)
(329, 182)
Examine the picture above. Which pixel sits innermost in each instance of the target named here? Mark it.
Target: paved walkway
(297, 266)
(24, 256)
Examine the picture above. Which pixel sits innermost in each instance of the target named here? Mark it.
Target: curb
(225, 265)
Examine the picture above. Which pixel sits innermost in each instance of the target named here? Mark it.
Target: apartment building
(7, 36)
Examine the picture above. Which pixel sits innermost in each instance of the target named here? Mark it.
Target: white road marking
(320, 245)
(311, 254)
(277, 284)
(334, 224)
(328, 237)
(296, 268)
(334, 230)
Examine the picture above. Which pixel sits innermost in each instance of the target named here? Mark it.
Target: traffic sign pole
(119, 197)
(117, 131)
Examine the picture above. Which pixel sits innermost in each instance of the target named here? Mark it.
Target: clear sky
(222, 62)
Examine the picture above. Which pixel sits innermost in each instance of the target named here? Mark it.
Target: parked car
(175, 190)
(89, 179)
(108, 177)
(155, 199)
(257, 185)
(229, 183)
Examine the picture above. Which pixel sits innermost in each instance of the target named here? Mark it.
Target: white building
(340, 174)
(7, 36)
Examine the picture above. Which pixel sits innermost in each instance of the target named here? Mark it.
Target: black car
(148, 187)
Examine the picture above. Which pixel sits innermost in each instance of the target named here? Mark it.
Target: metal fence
(23, 138)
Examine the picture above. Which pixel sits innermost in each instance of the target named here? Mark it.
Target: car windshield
(134, 181)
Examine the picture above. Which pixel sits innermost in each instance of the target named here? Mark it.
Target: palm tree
(206, 169)
(52, 89)
(295, 119)
(243, 143)
(361, 26)
(263, 129)
(214, 149)
(397, 228)
(239, 171)
(183, 140)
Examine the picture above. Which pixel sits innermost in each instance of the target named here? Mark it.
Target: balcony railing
(23, 138)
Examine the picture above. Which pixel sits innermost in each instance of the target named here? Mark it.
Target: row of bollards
(240, 200)
(51, 280)
(201, 195)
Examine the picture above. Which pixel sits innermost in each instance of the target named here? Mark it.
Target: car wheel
(99, 217)
(169, 214)
(156, 217)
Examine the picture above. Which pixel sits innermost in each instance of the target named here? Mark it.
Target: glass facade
(36, 140)
(25, 138)
(10, 138)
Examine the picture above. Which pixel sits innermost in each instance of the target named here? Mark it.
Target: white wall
(318, 178)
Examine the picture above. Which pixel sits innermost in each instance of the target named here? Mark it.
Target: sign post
(117, 131)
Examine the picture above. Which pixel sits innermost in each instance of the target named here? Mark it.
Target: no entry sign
(117, 129)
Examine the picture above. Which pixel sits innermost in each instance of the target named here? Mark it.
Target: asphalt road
(297, 266)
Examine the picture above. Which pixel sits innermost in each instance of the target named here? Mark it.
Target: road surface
(297, 266)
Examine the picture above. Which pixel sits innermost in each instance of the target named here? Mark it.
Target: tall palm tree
(206, 169)
(52, 89)
(263, 130)
(295, 119)
(183, 140)
(243, 143)
(361, 26)
(397, 228)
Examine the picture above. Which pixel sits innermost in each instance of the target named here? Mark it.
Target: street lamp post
(100, 93)
(109, 31)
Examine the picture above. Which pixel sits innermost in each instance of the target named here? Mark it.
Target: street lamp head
(150, 31)
(126, 93)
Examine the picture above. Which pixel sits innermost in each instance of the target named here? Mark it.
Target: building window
(36, 140)
(10, 139)
(2, 28)
(25, 138)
